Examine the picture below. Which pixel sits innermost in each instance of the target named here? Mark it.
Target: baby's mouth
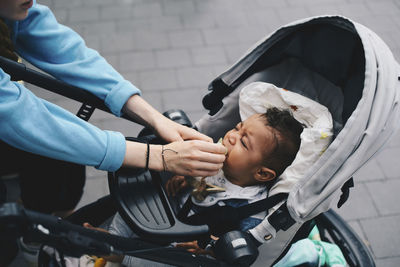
(221, 141)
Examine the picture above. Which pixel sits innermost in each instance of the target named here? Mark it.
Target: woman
(39, 127)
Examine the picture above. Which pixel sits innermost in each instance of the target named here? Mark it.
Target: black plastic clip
(281, 219)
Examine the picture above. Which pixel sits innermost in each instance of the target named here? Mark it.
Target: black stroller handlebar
(75, 240)
(18, 71)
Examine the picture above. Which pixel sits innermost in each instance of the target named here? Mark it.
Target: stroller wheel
(335, 230)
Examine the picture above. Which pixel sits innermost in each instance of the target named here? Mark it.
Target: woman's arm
(61, 52)
(35, 125)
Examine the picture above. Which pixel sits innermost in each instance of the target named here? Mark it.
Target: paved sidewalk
(172, 49)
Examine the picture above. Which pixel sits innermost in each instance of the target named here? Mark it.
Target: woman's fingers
(191, 134)
(194, 158)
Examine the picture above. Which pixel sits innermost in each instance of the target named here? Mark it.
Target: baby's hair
(287, 136)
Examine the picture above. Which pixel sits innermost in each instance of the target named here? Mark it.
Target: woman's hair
(287, 136)
(6, 45)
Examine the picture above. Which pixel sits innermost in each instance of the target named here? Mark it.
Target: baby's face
(247, 145)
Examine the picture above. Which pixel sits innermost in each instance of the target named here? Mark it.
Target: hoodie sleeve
(35, 125)
(61, 52)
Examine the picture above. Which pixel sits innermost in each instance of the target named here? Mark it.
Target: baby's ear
(264, 174)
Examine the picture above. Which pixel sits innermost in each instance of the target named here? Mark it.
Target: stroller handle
(19, 71)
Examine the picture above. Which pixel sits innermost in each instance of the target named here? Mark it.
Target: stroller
(339, 63)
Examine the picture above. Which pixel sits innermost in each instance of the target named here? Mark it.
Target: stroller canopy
(342, 65)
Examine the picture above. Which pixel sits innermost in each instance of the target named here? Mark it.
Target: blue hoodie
(38, 126)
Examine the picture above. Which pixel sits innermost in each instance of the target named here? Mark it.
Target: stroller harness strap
(222, 219)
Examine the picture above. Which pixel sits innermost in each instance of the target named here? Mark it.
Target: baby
(259, 149)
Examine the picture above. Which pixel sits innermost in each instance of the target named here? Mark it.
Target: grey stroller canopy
(340, 64)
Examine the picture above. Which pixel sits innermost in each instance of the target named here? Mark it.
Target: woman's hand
(193, 158)
(175, 184)
(171, 131)
(137, 108)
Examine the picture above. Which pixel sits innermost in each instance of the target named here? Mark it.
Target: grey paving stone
(133, 77)
(62, 15)
(208, 55)
(45, 2)
(383, 7)
(157, 24)
(385, 196)
(83, 14)
(292, 14)
(149, 40)
(117, 42)
(316, 10)
(93, 173)
(379, 23)
(112, 12)
(349, 10)
(69, 4)
(136, 61)
(267, 19)
(178, 7)
(194, 77)
(93, 190)
(173, 58)
(371, 171)
(395, 140)
(198, 21)
(359, 205)
(154, 99)
(222, 36)
(145, 10)
(277, 4)
(158, 80)
(186, 38)
(100, 28)
(384, 233)
(388, 159)
(187, 100)
(388, 262)
(93, 42)
(232, 19)
(98, 2)
(320, 3)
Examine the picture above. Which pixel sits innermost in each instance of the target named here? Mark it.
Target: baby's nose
(232, 138)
